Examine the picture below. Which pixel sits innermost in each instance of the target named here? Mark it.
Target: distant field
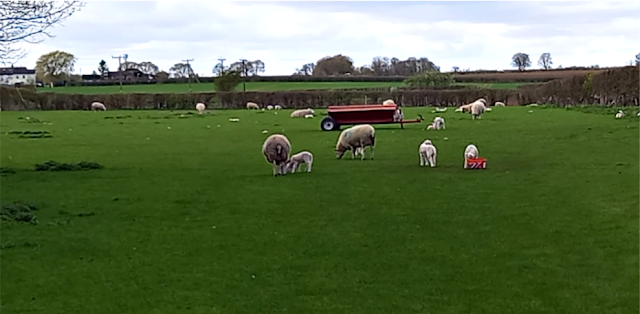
(251, 86)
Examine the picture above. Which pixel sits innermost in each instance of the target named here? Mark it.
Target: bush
(430, 79)
(227, 81)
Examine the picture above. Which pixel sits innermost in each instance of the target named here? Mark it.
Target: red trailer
(338, 116)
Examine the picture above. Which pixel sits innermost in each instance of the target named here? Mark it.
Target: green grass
(251, 86)
(190, 219)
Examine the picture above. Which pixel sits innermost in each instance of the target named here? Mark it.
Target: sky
(287, 34)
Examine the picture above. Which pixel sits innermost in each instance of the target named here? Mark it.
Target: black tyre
(328, 124)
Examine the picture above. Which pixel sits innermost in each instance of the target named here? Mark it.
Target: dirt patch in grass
(20, 212)
(117, 117)
(52, 165)
(31, 134)
(7, 171)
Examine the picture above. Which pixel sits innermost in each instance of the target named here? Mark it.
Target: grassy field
(251, 86)
(186, 216)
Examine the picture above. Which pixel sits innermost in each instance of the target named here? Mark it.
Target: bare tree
(521, 61)
(29, 21)
(148, 68)
(545, 61)
(256, 66)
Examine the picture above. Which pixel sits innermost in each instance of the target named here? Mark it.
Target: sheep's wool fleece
(351, 136)
(477, 108)
(269, 148)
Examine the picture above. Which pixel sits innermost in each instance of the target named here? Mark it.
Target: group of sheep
(428, 154)
(621, 114)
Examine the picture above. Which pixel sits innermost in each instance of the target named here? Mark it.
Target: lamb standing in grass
(252, 105)
(471, 152)
(276, 149)
(361, 135)
(477, 108)
(300, 113)
(98, 106)
(295, 162)
(428, 154)
(200, 107)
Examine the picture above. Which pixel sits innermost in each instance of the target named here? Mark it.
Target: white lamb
(477, 108)
(361, 135)
(276, 149)
(98, 106)
(499, 104)
(398, 115)
(277, 107)
(269, 107)
(200, 107)
(300, 113)
(428, 154)
(471, 152)
(437, 124)
(295, 162)
(388, 102)
(252, 105)
(620, 114)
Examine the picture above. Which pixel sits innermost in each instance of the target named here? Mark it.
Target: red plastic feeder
(477, 163)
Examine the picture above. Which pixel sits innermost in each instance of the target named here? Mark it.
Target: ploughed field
(185, 215)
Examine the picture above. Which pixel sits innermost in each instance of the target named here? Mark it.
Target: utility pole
(244, 72)
(188, 72)
(221, 65)
(119, 73)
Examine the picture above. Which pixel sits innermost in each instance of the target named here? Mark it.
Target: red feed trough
(338, 116)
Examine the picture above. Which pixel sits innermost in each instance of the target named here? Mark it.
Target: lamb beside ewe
(471, 152)
(200, 107)
(620, 114)
(295, 162)
(276, 149)
(428, 154)
(300, 113)
(361, 135)
(98, 106)
(252, 105)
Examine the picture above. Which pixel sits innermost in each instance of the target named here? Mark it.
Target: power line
(244, 71)
(221, 65)
(190, 72)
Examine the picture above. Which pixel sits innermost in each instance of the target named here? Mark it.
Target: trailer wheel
(328, 124)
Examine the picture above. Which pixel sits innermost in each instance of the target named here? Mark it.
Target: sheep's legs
(309, 167)
(422, 160)
(275, 169)
(432, 161)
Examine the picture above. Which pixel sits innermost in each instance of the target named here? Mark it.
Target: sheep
(277, 107)
(441, 109)
(477, 108)
(302, 112)
(619, 114)
(499, 104)
(439, 122)
(252, 105)
(470, 152)
(269, 107)
(388, 102)
(361, 135)
(296, 161)
(398, 115)
(200, 107)
(428, 153)
(98, 106)
(276, 149)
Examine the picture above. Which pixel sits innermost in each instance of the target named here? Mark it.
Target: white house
(17, 75)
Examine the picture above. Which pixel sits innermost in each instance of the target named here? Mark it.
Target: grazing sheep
(200, 107)
(499, 104)
(619, 114)
(269, 107)
(277, 107)
(477, 108)
(252, 105)
(295, 162)
(388, 102)
(98, 106)
(361, 135)
(471, 152)
(276, 149)
(428, 154)
(302, 112)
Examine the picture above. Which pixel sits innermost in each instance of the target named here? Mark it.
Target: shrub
(227, 81)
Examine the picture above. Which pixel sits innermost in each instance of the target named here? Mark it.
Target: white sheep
(428, 154)
(269, 107)
(499, 104)
(252, 105)
(398, 115)
(302, 112)
(200, 107)
(477, 108)
(98, 106)
(470, 152)
(388, 102)
(361, 135)
(620, 114)
(295, 162)
(439, 122)
(276, 149)
(277, 107)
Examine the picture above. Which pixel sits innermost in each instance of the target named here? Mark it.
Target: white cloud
(285, 35)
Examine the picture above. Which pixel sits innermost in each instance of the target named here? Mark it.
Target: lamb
(398, 115)
(477, 108)
(302, 112)
(388, 102)
(200, 107)
(428, 153)
(252, 105)
(98, 106)
(276, 149)
(437, 124)
(269, 107)
(277, 107)
(499, 104)
(296, 161)
(361, 135)
(619, 114)
(471, 152)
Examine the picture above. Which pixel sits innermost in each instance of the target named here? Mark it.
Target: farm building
(17, 75)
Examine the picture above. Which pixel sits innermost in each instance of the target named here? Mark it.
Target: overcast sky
(287, 34)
